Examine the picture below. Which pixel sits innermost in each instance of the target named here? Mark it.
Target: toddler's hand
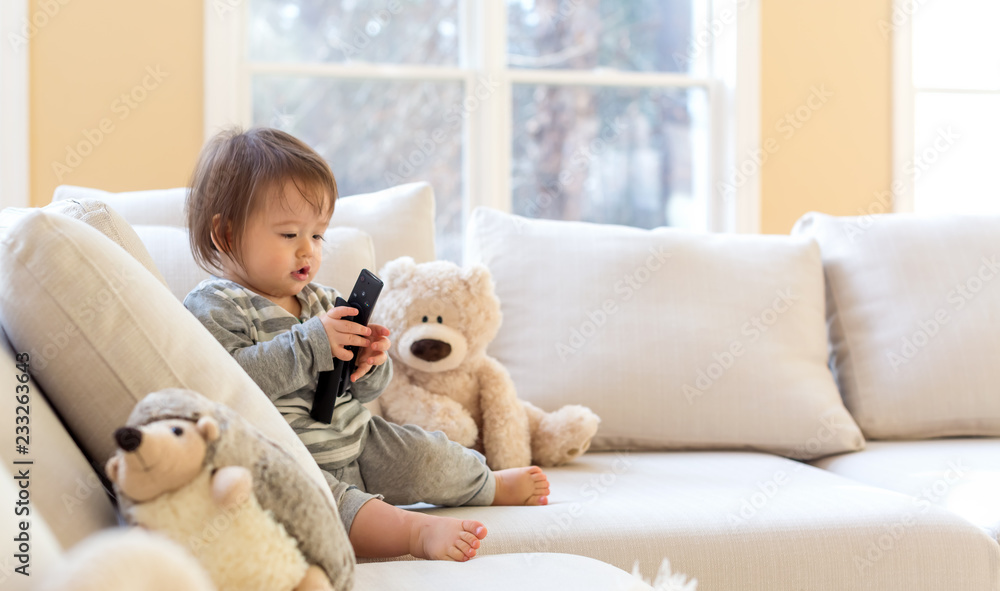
(343, 333)
(375, 353)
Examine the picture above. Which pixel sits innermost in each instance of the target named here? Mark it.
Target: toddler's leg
(382, 531)
(409, 465)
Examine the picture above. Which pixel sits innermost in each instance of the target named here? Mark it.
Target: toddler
(259, 205)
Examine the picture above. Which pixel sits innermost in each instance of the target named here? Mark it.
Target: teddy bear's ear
(479, 280)
(397, 272)
(111, 467)
(209, 429)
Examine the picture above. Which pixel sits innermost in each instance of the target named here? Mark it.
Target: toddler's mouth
(302, 274)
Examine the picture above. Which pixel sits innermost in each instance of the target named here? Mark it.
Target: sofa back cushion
(676, 339)
(399, 219)
(913, 308)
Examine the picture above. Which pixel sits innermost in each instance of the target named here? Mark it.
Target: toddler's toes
(478, 530)
(455, 553)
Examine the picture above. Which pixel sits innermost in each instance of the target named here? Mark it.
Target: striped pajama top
(284, 355)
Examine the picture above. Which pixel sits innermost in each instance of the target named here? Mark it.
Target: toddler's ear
(221, 245)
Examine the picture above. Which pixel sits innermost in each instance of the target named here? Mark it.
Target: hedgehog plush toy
(199, 473)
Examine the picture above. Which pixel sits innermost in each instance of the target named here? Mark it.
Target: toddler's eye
(319, 237)
(440, 320)
(288, 236)
(425, 319)
(177, 431)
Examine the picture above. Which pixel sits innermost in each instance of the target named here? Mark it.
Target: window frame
(14, 112)
(734, 97)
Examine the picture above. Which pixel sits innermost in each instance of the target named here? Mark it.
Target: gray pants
(403, 464)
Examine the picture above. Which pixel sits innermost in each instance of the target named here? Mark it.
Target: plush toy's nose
(128, 438)
(430, 349)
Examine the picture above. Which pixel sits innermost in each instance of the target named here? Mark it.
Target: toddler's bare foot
(445, 538)
(521, 486)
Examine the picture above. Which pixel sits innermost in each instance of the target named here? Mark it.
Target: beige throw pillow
(102, 333)
(677, 340)
(98, 215)
(913, 307)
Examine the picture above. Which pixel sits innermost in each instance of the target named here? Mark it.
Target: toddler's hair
(237, 172)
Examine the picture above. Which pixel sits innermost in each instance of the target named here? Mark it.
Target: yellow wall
(83, 60)
(93, 51)
(841, 156)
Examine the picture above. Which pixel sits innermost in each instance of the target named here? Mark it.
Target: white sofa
(706, 357)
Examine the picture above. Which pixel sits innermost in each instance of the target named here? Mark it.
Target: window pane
(636, 35)
(399, 32)
(616, 155)
(956, 45)
(377, 134)
(956, 153)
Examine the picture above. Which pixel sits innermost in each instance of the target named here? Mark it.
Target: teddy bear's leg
(315, 580)
(561, 436)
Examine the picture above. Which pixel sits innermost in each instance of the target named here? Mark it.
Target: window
(947, 112)
(597, 110)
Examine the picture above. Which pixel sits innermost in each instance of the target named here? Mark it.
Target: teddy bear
(443, 317)
(196, 471)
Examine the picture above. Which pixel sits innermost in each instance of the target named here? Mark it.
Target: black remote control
(333, 383)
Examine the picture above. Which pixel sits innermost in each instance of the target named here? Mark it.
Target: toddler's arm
(288, 362)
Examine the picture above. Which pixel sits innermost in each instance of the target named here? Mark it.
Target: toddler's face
(282, 247)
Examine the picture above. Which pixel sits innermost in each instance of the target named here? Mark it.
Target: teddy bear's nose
(128, 438)
(430, 349)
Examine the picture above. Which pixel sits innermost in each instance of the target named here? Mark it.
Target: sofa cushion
(65, 490)
(345, 252)
(399, 219)
(914, 320)
(102, 333)
(98, 215)
(961, 475)
(676, 339)
(486, 573)
(743, 520)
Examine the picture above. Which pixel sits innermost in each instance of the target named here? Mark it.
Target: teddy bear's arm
(506, 439)
(404, 402)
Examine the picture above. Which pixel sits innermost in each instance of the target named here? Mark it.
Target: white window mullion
(489, 108)
(227, 87)
(903, 113)
(14, 181)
